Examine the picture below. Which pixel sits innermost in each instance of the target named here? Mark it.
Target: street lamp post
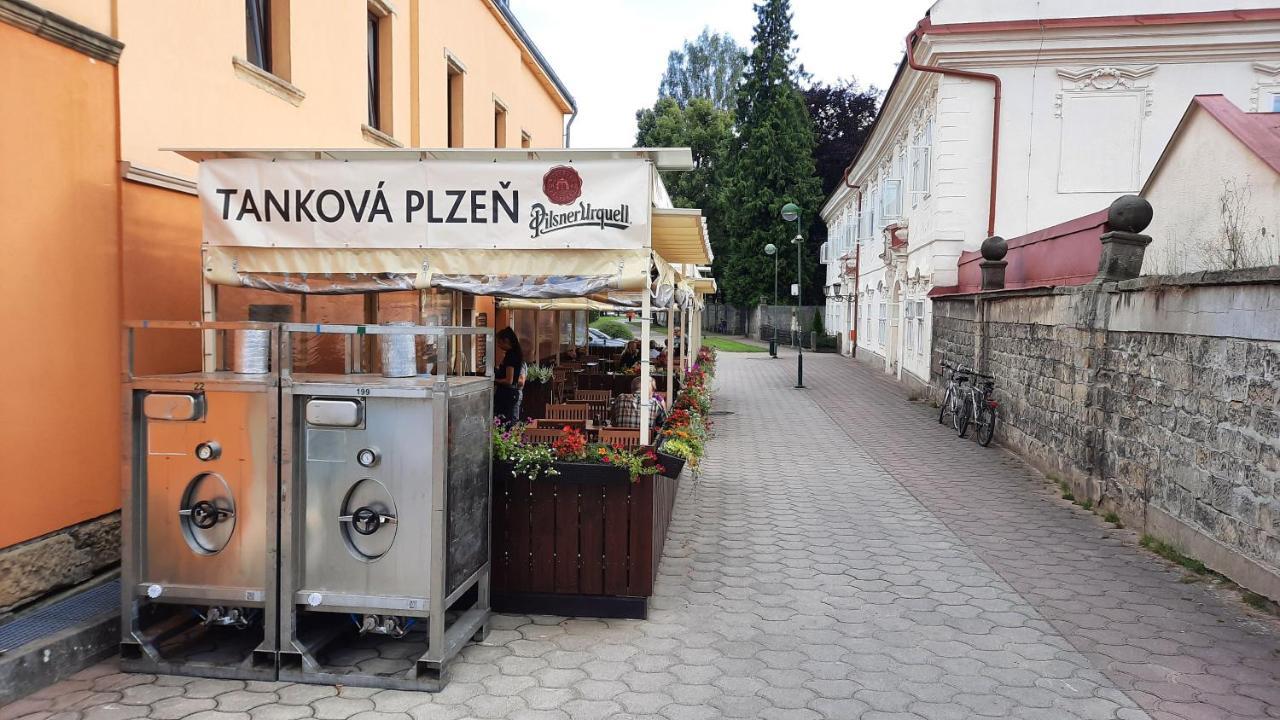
(791, 213)
(772, 249)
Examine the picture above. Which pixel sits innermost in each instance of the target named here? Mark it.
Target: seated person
(624, 411)
(630, 354)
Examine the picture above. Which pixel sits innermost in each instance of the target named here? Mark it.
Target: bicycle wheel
(986, 424)
(966, 409)
(946, 405)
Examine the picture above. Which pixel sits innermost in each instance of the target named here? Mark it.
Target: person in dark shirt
(630, 354)
(506, 397)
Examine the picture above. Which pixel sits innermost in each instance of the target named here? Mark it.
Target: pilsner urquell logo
(562, 185)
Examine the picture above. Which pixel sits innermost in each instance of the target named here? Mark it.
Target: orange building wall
(161, 274)
(60, 448)
(467, 30)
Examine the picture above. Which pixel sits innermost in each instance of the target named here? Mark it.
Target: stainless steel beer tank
(200, 519)
(385, 517)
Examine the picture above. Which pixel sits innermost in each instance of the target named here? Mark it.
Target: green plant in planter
(637, 463)
(539, 374)
(532, 461)
(688, 450)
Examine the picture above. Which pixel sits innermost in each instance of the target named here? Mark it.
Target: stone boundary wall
(33, 569)
(1156, 398)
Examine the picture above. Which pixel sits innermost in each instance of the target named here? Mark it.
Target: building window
(873, 222)
(891, 201)
(499, 125)
(379, 63)
(920, 327)
(882, 319)
(526, 140)
(909, 338)
(921, 154)
(453, 105)
(374, 88)
(266, 35)
(257, 26)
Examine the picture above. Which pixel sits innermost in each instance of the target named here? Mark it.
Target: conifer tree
(772, 163)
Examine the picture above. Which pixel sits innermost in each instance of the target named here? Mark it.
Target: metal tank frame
(139, 650)
(300, 658)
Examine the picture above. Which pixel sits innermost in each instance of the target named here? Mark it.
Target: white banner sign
(437, 204)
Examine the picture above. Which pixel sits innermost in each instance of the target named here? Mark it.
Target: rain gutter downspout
(920, 29)
(568, 128)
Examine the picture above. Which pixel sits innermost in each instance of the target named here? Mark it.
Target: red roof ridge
(1256, 131)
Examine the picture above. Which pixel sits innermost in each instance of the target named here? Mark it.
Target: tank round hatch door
(207, 514)
(368, 520)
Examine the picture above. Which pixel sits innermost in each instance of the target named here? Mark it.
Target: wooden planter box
(536, 398)
(585, 543)
(672, 465)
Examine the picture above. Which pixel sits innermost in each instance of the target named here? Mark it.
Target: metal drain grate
(60, 616)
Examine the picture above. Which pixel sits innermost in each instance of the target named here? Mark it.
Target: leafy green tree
(770, 163)
(709, 67)
(707, 131)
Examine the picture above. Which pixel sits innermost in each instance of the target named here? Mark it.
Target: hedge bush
(613, 327)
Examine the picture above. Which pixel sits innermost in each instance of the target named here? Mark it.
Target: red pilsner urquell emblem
(562, 185)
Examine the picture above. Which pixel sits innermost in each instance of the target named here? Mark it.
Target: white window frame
(882, 319)
(823, 256)
(874, 223)
(890, 210)
(909, 336)
(920, 310)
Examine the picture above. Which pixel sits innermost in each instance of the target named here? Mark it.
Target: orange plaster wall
(60, 447)
(162, 274)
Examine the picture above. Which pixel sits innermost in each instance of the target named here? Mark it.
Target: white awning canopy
(680, 236)
(534, 224)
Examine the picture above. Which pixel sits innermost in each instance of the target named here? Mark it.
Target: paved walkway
(842, 556)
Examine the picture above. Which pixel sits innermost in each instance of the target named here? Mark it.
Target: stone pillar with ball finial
(1123, 245)
(993, 263)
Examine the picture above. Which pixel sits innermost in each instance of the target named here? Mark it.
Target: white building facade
(1091, 91)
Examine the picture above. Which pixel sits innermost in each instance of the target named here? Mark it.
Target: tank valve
(389, 625)
(226, 617)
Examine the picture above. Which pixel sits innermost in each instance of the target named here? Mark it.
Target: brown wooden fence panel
(542, 546)
(600, 540)
(615, 539)
(501, 540)
(566, 538)
(640, 539)
(591, 534)
(519, 532)
(664, 499)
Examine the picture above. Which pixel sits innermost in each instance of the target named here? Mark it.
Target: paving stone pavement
(841, 556)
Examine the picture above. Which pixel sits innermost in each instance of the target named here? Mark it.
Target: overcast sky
(611, 53)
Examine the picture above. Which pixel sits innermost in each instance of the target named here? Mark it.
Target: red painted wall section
(1065, 254)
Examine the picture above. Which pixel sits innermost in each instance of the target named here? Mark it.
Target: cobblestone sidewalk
(841, 556)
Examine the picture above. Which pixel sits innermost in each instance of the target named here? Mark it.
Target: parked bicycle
(951, 401)
(979, 408)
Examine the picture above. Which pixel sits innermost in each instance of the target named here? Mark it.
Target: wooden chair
(569, 411)
(547, 423)
(560, 384)
(542, 435)
(597, 399)
(621, 438)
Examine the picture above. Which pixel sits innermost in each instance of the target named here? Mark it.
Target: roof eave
(569, 104)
